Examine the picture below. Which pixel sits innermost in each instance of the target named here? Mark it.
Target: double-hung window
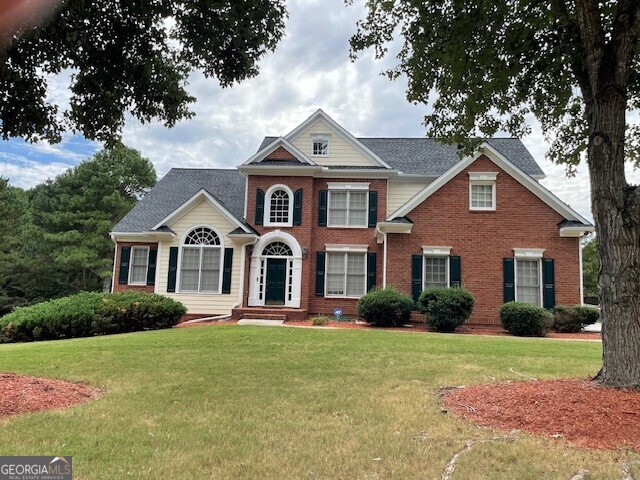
(482, 190)
(436, 266)
(200, 266)
(348, 205)
(320, 145)
(528, 275)
(138, 265)
(346, 273)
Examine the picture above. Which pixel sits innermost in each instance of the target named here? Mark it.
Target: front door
(276, 274)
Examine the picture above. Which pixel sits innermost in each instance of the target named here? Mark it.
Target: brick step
(269, 313)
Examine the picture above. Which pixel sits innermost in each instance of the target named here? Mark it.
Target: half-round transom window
(202, 236)
(279, 211)
(278, 249)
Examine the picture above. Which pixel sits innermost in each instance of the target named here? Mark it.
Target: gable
(201, 212)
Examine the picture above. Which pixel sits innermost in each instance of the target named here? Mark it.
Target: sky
(310, 69)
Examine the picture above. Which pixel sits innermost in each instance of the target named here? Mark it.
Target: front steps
(269, 313)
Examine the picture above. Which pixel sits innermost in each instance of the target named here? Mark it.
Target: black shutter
(173, 269)
(548, 280)
(416, 276)
(297, 207)
(123, 273)
(259, 206)
(373, 209)
(320, 256)
(509, 280)
(151, 269)
(455, 271)
(322, 208)
(226, 270)
(371, 271)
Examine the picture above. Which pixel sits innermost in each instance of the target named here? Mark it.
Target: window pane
(528, 281)
(190, 269)
(320, 147)
(335, 273)
(210, 277)
(482, 196)
(279, 207)
(337, 208)
(356, 271)
(357, 209)
(435, 272)
(335, 263)
(139, 257)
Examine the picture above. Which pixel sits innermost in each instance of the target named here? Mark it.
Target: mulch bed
(22, 394)
(578, 411)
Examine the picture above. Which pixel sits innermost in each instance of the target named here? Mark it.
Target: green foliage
(525, 320)
(319, 321)
(446, 309)
(90, 313)
(590, 268)
(385, 307)
(127, 57)
(572, 319)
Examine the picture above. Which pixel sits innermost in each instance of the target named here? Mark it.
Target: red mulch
(22, 394)
(578, 411)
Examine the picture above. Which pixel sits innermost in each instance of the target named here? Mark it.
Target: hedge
(525, 320)
(572, 319)
(385, 307)
(90, 313)
(446, 309)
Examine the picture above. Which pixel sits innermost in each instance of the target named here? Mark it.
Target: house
(318, 217)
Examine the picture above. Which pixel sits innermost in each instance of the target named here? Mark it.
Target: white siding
(341, 152)
(399, 193)
(201, 214)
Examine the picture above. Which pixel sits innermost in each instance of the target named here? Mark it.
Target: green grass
(284, 403)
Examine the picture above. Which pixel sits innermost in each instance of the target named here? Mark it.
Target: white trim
(294, 263)
(320, 137)
(348, 209)
(501, 161)
(186, 206)
(348, 186)
(528, 253)
(576, 231)
(538, 260)
(436, 251)
(182, 246)
(267, 206)
(151, 237)
(259, 156)
(346, 254)
(148, 249)
(246, 193)
(337, 247)
(115, 257)
(354, 142)
(394, 227)
(483, 176)
(384, 261)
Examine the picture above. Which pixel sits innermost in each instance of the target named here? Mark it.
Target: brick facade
(483, 238)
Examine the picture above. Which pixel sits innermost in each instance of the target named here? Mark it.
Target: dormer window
(320, 145)
(482, 191)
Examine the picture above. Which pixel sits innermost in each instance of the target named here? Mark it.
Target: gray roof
(427, 156)
(178, 186)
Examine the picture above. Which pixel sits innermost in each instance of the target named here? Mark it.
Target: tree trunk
(617, 219)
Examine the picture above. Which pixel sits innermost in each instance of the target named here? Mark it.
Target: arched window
(201, 259)
(277, 249)
(279, 205)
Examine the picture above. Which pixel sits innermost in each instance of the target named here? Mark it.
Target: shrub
(571, 319)
(319, 321)
(525, 320)
(90, 313)
(446, 309)
(385, 307)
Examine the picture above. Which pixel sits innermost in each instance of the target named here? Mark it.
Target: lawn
(285, 403)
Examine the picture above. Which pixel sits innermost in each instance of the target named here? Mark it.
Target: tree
(124, 56)
(590, 268)
(572, 64)
(73, 214)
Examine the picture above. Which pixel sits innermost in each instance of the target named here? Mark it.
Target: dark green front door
(276, 274)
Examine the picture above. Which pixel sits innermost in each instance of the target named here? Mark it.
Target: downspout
(384, 262)
(581, 271)
(115, 257)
